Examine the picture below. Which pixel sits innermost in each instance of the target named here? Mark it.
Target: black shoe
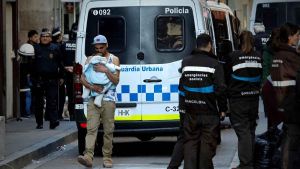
(39, 126)
(26, 116)
(53, 125)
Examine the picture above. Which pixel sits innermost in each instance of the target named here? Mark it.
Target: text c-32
(172, 108)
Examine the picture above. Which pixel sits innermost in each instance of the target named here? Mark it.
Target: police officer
(68, 52)
(57, 40)
(203, 87)
(47, 74)
(260, 37)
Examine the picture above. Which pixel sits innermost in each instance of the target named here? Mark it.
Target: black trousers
(46, 88)
(70, 94)
(61, 99)
(177, 155)
(200, 133)
(243, 115)
(293, 146)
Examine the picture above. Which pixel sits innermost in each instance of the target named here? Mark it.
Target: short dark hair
(203, 40)
(31, 33)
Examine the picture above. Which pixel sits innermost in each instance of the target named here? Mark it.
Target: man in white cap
(106, 112)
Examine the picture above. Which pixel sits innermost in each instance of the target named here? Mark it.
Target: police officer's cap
(45, 32)
(56, 31)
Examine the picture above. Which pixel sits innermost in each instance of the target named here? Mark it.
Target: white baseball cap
(99, 39)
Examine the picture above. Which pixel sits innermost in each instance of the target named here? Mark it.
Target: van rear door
(121, 26)
(150, 42)
(167, 35)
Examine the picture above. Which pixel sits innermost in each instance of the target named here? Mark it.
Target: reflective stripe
(135, 117)
(247, 79)
(208, 89)
(25, 90)
(161, 116)
(181, 93)
(284, 83)
(198, 69)
(246, 65)
(148, 117)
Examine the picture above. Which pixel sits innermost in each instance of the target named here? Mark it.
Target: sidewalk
(24, 143)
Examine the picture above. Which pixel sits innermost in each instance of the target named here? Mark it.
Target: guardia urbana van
(150, 37)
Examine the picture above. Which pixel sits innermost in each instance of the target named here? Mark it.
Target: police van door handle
(152, 79)
(140, 56)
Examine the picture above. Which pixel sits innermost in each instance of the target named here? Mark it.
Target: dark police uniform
(61, 90)
(243, 94)
(46, 73)
(260, 40)
(68, 52)
(203, 88)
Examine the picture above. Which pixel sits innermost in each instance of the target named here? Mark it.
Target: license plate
(123, 112)
(78, 106)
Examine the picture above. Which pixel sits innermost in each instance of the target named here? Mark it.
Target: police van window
(113, 27)
(271, 14)
(169, 33)
(293, 14)
(220, 25)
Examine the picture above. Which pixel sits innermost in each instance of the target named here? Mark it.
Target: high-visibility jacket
(245, 74)
(202, 84)
(285, 64)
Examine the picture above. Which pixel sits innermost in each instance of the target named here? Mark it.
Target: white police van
(274, 13)
(150, 37)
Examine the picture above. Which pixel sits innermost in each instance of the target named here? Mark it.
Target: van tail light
(77, 70)
(83, 125)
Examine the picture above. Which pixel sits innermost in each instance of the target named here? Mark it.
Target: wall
(8, 62)
(36, 14)
(243, 9)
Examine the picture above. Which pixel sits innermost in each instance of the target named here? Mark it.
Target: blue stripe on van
(157, 88)
(130, 93)
(125, 89)
(141, 88)
(166, 97)
(149, 96)
(174, 88)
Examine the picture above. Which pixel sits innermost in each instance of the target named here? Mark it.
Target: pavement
(24, 144)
